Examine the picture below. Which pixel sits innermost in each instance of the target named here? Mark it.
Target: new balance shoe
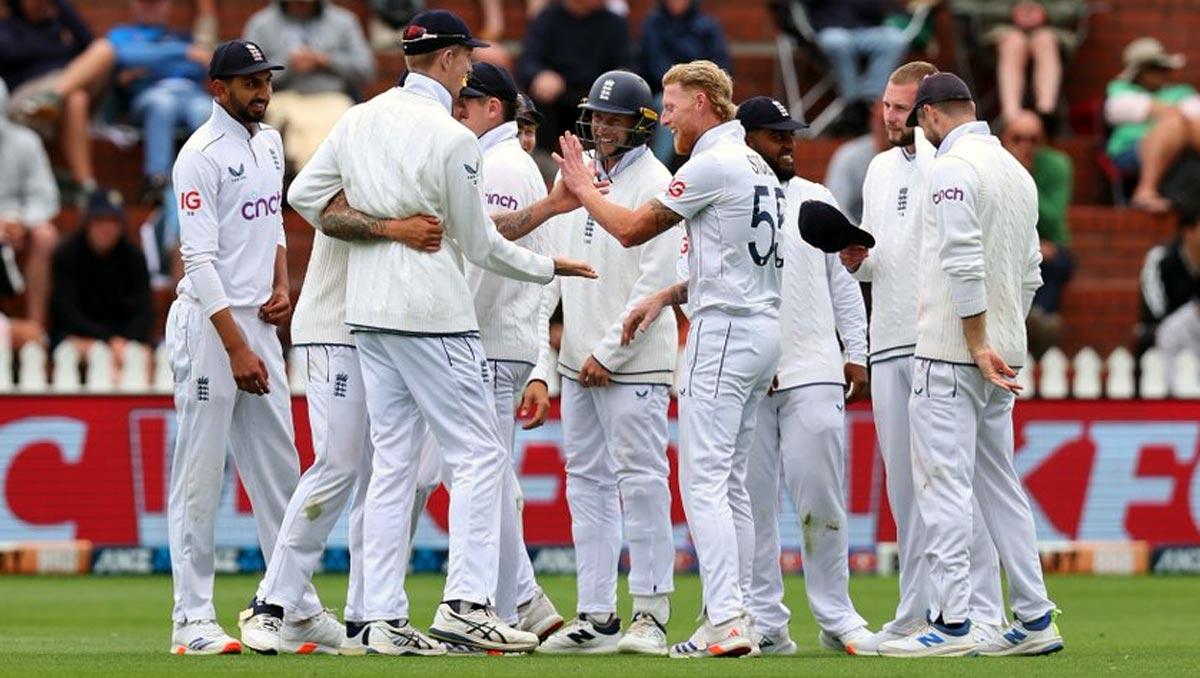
(728, 639)
(930, 641)
(842, 641)
(400, 639)
(260, 624)
(203, 637)
(644, 636)
(354, 641)
(321, 634)
(538, 616)
(776, 643)
(478, 626)
(1020, 638)
(585, 635)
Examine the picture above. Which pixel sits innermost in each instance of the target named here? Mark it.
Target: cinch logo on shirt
(676, 188)
(190, 200)
(261, 207)
(947, 194)
(506, 201)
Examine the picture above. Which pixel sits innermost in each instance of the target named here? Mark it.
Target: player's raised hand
(853, 256)
(995, 370)
(277, 309)
(421, 232)
(641, 316)
(569, 268)
(566, 201)
(576, 173)
(249, 371)
(535, 405)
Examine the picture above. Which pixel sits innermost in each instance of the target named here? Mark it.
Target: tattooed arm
(645, 312)
(340, 220)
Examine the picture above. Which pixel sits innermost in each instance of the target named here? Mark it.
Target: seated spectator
(1023, 31)
(568, 46)
(38, 39)
(388, 19)
(1154, 120)
(101, 286)
(327, 61)
(1169, 278)
(1025, 137)
(848, 30)
(848, 166)
(1179, 332)
(677, 32)
(28, 201)
(528, 120)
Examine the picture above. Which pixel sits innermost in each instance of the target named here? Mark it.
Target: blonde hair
(912, 73)
(709, 78)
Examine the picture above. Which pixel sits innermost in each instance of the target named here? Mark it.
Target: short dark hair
(955, 107)
(509, 109)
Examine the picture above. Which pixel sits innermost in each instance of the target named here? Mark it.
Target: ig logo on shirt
(190, 201)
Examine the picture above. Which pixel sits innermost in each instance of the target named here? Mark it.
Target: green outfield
(118, 626)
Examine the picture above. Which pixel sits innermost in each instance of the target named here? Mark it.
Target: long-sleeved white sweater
(593, 310)
(979, 250)
(320, 316)
(401, 154)
(820, 302)
(893, 194)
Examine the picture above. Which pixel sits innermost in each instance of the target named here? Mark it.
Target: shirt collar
(976, 127)
(631, 156)
(498, 135)
(222, 120)
(419, 83)
(728, 131)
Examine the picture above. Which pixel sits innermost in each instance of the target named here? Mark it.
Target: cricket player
(978, 274)
(734, 207)
(801, 432)
(414, 323)
(892, 200)
(614, 397)
(230, 384)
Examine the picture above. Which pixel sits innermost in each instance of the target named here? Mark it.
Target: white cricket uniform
(800, 438)
(615, 437)
(337, 416)
(733, 205)
(413, 316)
(893, 195)
(979, 253)
(230, 185)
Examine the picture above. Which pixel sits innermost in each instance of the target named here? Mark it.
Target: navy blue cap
(527, 111)
(239, 57)
(490, 80)
(767, 113)
(436, 29)
(104, 203)
(825, 227)
(936, 88)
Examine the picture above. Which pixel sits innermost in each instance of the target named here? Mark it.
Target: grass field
(119, 626)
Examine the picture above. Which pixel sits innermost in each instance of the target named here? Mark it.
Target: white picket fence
(1087, 376)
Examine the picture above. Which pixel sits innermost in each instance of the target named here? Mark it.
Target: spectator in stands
(568, 45)
(328, 63)
(38, 39)
(528, 121)
(676, 32)
(847, 31)
(1180, 332)
(28, 201)
(1024, 136)
(1154, 119)
(1170, 276)
(1023, 31)
(101, 286)
(848, 166)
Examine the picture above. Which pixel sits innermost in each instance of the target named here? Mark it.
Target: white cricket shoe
(354, 642)
(729, 639)
(1018, 639)
(928, 641)
(841, 642)
(260, 632)
(321, 634)
(776, 643)
(983, 632)
(203, 637)
(644, 636)
(584, 636)
(403, 640)
(480, 628)
(869, 646)
(538, 616)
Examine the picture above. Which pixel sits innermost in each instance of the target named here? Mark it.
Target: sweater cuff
(969, 296)
(206, 283)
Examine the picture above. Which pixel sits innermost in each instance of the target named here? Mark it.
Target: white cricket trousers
(802, 431)
(962, 437)
(891, 387)
(444, 382)
(729, 365)
(337, 416)
(212, 416)
(615, 439)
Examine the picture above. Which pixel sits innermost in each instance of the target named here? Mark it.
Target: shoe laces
(645, 623)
